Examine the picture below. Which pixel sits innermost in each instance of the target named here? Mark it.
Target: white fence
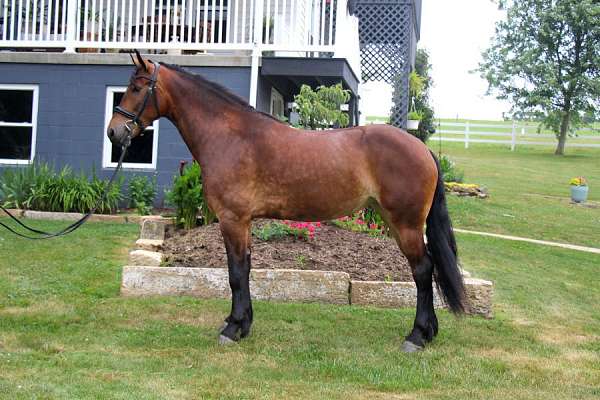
(515, 134)
(273, 25)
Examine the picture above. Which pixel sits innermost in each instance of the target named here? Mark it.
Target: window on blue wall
(143, 149)
(18, 123)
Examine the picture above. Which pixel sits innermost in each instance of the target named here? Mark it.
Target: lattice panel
(385, 35)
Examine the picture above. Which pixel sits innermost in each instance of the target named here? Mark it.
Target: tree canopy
(545, 59)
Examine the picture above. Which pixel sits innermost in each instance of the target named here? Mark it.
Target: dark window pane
(117, 96)
(15, 142)
(16, 105)
(140, 150)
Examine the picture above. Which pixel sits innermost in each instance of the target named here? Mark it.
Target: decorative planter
(579, 193)
(412, 124)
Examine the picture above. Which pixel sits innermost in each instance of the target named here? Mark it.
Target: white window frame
(32, 124)
(107, 148)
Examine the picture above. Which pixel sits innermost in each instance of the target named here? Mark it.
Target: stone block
(149, 244)
(52, 216)
(145, 258)
(479, 296)
(300, 286)
(404, 294)
(153, 229)
(278, 285)
(387, 294)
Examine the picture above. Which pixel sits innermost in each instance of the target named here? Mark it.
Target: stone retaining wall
(144, 276)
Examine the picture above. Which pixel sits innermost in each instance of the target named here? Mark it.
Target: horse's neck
(198, 118)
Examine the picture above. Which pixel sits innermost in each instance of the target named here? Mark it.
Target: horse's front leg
(236, 234)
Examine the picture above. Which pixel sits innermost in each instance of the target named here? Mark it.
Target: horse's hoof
(410, 347)
(225, 341)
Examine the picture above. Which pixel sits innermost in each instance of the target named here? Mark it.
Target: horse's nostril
(111, 132)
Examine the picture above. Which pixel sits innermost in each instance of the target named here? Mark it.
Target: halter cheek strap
(151, 92)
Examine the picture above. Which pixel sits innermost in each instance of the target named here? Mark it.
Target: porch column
(72, 27)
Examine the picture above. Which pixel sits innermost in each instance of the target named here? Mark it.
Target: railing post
(467, 130)
(513, 139)
(256, 51)
(72, 27)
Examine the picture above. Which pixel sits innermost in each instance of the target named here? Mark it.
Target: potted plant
(579, 189)
(416, 84)
(413, 120)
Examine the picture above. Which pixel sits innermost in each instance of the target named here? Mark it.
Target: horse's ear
(138, 60)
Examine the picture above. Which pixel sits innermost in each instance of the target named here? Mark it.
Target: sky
(454, 32)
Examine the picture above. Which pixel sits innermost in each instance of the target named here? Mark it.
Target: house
(63, 65)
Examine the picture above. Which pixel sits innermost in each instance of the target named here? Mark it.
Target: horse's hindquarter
(311, 175)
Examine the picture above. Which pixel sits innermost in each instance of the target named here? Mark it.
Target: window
(142, 152)
(277, 104)
(18, 123)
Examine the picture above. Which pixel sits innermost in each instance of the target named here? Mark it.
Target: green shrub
(188, 197)
(16, 185)
(450, 173)
(270, 231)
(39, 187)
(142, 192)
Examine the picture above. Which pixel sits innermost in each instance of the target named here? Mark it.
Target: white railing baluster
(160, 20)
(85, 19)
(72, 28)
(168, 22)
(115, 24)
(92, 32)
(152, 11)
(130, 21)
(220, 37)
(331, 23)
(228, 24)
(144, 22)
(100, 21)
(267, 23)
(234, 18)
(293, 29)
(205, 23)
(64, 20)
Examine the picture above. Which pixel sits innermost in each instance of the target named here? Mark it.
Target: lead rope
(76, 224)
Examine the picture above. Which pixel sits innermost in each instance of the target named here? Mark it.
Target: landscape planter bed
(149, 274)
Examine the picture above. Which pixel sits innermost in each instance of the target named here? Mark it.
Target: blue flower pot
(579, 193)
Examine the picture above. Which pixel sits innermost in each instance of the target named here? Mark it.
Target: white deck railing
(272, 25)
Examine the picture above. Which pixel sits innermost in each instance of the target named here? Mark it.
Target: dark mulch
(332, 249)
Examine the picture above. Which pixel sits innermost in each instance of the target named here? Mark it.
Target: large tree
(545, 59)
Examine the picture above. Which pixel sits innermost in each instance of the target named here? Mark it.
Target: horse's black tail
(442, 248)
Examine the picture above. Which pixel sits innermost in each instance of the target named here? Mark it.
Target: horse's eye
(134, 88)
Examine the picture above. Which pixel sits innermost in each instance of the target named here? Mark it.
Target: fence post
(72, 27)
(513, 140)
(467, 130)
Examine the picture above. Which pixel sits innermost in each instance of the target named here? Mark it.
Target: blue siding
(72, 101)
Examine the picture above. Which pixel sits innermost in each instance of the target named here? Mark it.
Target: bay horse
(254, 166)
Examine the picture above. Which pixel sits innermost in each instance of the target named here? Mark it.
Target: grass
(66, 333)
(529, 192)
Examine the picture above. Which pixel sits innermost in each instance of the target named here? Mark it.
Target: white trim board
(107, 147)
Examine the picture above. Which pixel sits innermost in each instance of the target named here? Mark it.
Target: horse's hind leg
(236, 234)
(413, 246)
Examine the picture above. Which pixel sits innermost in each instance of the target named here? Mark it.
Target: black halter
(135, 117)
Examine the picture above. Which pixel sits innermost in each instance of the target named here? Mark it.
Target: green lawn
(529, 192)
(66, 333)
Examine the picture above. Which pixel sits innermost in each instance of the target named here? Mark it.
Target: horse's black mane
(218, 90)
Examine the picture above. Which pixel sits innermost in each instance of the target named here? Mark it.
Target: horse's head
(139, 106)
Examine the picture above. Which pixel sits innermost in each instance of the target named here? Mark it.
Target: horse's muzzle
(119, 136)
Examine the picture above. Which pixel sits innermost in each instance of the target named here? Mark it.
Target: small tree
(321, 108)
(545, 58)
